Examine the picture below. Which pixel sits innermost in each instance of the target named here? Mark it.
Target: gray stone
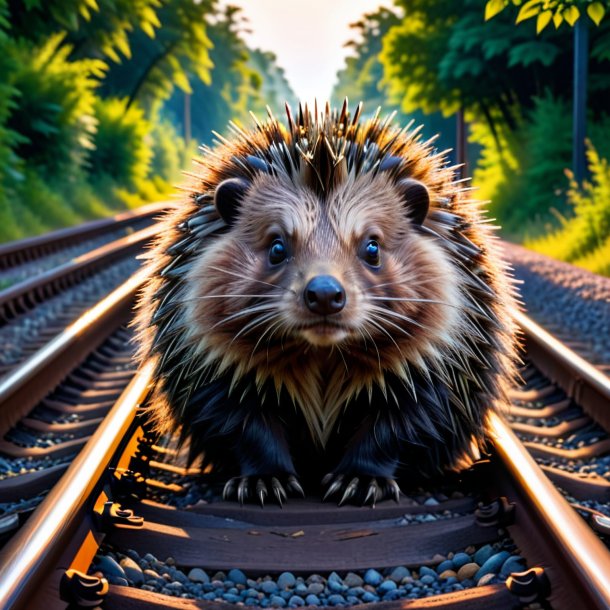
(385, 586)
(315, 588)
(492, 565)
(286, 580)
(353, 580)
(312, 600)
(399, 573)
(373, 577)
(110, 568)
(460, 559)
(132, 570)
(237, 576)
(483, 554)
(295, 601)
(277, 601)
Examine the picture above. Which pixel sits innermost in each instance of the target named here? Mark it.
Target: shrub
(523, 176)
(584, 238)
(122, 146)
(54, 116)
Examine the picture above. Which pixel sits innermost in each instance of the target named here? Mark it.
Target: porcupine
(327, 300)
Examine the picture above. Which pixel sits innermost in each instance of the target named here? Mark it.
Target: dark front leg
(366, 471)
(239, 433)
(264, 460)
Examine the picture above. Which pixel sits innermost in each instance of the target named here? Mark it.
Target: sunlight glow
(307, 36)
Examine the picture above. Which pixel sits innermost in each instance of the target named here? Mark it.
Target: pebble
(269, 586)
(132, 570)
(237, 576)
(385, 586)
(514, 563)
(492, 565)
(336, 600)
(444, 566)
(448, 574)
(198, 575)
(277, 601)
(315, 588)
(461, 559)
(295, 600)
(486, 580)
(111, 569)
(312, 600)
(483, 554)
(286, 580)
(373, 577)
(467, 571)
(353, 580)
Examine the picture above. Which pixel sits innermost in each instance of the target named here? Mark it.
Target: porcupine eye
(277, 252)
(372, 253)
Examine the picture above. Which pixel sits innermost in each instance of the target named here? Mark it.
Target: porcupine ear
(228, 196)
(415, 194)
(416, 199)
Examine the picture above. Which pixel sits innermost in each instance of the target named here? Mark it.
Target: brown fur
(325, 203)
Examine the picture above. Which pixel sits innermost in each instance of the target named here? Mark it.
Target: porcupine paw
(362, 488)
(257, 488)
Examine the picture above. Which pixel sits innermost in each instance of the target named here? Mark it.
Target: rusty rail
(28, 249)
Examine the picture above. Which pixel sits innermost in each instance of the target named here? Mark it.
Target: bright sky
(307, 36)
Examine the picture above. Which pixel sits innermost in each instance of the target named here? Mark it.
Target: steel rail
(581, 550)
(21, 389)
(35, 247)
(587, 385)
(33, 552)
(13, 295)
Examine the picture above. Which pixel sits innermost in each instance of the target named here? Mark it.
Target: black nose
(324, 295)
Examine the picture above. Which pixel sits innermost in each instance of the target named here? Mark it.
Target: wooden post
(461, 143)
(581, 50)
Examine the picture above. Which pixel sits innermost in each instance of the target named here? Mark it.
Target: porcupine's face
(352, 271)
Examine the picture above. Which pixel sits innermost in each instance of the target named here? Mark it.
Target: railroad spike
(81, 590)
(529, 586)
(114, 516)
(499, 512)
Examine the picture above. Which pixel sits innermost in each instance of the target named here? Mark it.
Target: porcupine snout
(324, 295)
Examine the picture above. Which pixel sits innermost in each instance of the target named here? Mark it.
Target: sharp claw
(372, 493)
(327, 478)
(350, 490)
(394, 490)
(294, 485)
(279, 492)
(242, 490)
(261, 491)
(333, 487)
(229, 489)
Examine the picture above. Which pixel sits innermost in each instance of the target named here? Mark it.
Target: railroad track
(26, 257)
(66, 353)
(44, 299)
(499, 535)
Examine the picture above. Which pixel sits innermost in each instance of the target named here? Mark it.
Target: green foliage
(584, 238)
(54, 114)
(547, 11)
(121, 145)
(241, 80)
(170, 155)
(362, 78)
(523, 176)
(180, 50)
(94, 27)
